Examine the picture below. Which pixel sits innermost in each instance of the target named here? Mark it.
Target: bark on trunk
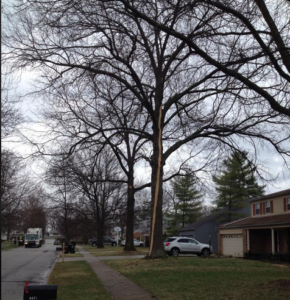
(100, 235)
(129, 246)
(156, 236)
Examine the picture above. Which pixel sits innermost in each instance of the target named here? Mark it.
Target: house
(205, 230)
(266, 231)
(142, 230)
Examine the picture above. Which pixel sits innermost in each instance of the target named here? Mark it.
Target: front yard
(114, 251)
(212, 278)
(76, 280)
(8, 245)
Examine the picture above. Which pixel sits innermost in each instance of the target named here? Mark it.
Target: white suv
(176, 245)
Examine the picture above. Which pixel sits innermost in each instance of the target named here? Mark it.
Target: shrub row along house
(266, 231)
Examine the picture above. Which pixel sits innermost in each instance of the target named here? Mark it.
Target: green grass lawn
(114, 251)
(118, 253)
(8, 245)
(217, 279)
(77, 281)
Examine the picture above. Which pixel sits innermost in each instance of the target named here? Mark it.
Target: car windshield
(31, 237)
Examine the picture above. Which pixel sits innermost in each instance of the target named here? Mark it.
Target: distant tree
(14, 189)
(188, 204)
(143, 205)
(236, 183)
(99, 181)
(33, 213)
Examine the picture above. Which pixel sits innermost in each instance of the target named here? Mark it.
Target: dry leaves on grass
(281, 284)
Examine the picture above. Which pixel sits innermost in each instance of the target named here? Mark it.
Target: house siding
(278, 206)
(188, 233)
(203, 232)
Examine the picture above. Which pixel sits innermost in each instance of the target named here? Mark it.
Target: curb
(50, 271)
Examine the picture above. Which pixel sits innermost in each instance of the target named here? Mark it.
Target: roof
(203, 220)
(259, 221)
(273, 195)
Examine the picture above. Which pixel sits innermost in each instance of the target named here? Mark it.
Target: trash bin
(66, 249)
(72, 249)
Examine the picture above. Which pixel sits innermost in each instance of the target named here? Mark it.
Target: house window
(257, 208)
(288, 203)
(268, 207)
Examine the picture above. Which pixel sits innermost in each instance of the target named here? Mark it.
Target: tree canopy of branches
(247, 41)
(34, 210)
(10, 114)
(184, 64)
(14, 190)
(88, 185)
(236, 184)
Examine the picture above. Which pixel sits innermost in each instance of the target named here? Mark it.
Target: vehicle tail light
(167, 244)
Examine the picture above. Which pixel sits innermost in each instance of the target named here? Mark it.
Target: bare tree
(34, 210)
(14, 189)
(10, 113)
(89, 115)
(247, 41)
(186, 96)
(91, 187)
(62, 197)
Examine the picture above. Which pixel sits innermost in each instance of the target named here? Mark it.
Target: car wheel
(141, 245)
(94, 244)
(114, 244)
(174, 252)
(205, 252)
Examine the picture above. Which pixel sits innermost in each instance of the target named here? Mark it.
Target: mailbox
(40, 292)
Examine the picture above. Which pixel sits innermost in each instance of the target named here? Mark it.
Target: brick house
(267, 230)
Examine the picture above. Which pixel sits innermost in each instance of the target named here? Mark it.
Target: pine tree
(188, 205)
(236, 184)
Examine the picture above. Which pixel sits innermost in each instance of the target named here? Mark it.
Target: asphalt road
(25, 264)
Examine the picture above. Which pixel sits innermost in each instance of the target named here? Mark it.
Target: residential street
(25, 264)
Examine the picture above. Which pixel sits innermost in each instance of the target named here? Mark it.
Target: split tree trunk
(156, 236)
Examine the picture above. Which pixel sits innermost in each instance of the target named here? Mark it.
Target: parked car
(56, 243)
(177, 245)
(137, 243)
(106, 241)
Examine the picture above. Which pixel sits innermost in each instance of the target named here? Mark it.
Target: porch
(267, 240)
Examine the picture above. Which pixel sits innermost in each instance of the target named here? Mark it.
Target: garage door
(232, 244)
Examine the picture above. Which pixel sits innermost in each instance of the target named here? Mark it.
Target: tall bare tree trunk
(156, 235)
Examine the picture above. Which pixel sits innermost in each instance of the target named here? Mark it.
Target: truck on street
(33, 237)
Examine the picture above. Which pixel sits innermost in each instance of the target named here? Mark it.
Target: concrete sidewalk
(120, 287)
